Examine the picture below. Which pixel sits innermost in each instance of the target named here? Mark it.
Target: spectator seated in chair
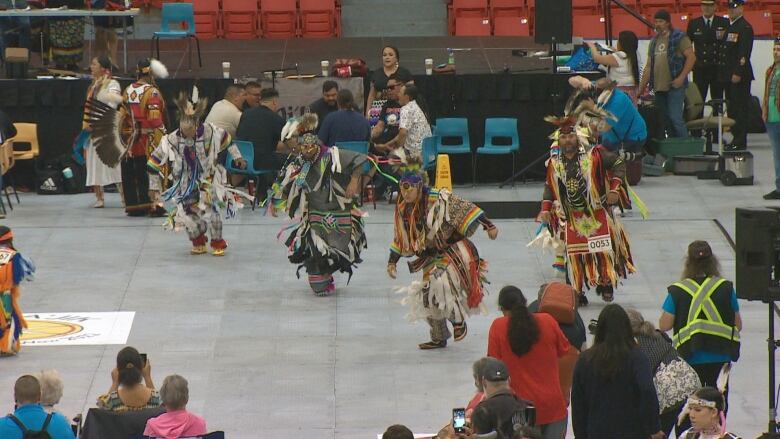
(177, 421)
(127, 392)
(31, 414)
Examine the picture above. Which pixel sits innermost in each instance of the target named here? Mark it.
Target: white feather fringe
(158, 69)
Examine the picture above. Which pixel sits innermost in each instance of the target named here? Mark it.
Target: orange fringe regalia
(435, 229)
(597, 246)
(13, 269)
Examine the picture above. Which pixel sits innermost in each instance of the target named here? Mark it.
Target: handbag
(581, 61)
(674, 381)
(558, 300)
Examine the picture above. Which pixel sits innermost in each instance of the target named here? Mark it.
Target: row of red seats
(248, 19)
(519, 22)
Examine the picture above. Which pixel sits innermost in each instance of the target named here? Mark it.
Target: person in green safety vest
(703, 313)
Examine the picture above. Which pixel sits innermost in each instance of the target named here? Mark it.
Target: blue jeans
(628, 145)
(773, 129)
(671, 104)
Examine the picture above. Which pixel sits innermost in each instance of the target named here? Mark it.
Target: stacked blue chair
(503, 127)
(454, 127)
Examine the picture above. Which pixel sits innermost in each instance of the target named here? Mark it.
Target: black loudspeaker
(552, 21)
(757, 233)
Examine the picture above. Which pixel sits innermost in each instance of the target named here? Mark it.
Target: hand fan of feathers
(113, 130)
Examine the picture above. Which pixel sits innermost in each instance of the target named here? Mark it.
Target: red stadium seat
(588, 26)
(680, 20)
(279, 18)
(585, 7)
(761, 22)
(472, 27)
(239, 19)
(207, 19)
(319, 19)
(654, 5)
(508, 26)
(621, 22)
(465, 8)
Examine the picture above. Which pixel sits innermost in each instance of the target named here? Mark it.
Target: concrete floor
(265, 358)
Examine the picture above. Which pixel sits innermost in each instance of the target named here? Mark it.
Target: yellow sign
(443, 176)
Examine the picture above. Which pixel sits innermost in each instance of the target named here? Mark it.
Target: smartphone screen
(458, 419)
(143, 359)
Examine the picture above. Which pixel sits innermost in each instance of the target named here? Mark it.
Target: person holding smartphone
(127, 391)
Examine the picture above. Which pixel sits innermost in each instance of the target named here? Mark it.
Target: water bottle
(450, 56)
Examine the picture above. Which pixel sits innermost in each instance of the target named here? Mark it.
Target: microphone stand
(283, 69)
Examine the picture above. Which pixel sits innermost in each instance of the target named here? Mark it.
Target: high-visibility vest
(701, 325)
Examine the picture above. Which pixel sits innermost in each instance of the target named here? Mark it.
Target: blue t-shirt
(344, 126)
(629, 126)
(33, 417)
(704, 357)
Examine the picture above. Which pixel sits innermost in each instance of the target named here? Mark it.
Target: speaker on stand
(758, 278)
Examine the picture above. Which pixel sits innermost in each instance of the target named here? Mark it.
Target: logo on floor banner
(77, 328)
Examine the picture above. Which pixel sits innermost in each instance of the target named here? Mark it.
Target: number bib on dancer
(588, 234)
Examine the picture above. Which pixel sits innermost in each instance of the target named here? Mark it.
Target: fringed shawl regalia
(435, 229)
(578, 199)
(328, 231)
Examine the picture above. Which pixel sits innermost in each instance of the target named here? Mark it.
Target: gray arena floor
(267, 359)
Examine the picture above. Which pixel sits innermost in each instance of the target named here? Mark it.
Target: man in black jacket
(263, 127)
(705, 32)
(737, 72)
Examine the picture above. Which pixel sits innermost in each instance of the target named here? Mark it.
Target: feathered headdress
(567, 125)
(153, 67)
(191, 108)
(297, 126)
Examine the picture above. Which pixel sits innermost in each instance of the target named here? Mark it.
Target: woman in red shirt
(530, 345)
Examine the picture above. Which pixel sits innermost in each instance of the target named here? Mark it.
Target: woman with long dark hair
(709, 341)
(377, 94)
(622, 64)
(105, 89)
(530, 345)
(613, 396)
(132, 388)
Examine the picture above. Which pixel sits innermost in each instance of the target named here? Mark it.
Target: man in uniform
(705, 32)
(737, 72)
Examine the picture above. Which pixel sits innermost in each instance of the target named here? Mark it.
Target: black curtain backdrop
(57, 107)
(526, 97)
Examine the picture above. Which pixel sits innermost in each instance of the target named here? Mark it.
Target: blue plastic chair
(247, 150)
(177, 13)
(500, 127)
(429, 152)
(361, 147)
(454, 127)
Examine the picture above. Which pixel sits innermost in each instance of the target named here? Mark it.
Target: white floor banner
(77, 328)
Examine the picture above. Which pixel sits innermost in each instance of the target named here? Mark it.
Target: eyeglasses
(407, 185)
(389, 87)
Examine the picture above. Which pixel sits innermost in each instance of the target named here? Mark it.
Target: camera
(593, 326)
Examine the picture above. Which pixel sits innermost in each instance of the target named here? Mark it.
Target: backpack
(30, 434)
(524, 415)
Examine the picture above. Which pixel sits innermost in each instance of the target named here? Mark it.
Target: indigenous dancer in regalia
(106, 91)
(13, 269)
(146, 106)
(195, 153)
(581, 190)
(318, 187)
(434, 226)
(129, 134)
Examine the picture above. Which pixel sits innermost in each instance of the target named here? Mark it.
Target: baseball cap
(495, 370)
(663, 14)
